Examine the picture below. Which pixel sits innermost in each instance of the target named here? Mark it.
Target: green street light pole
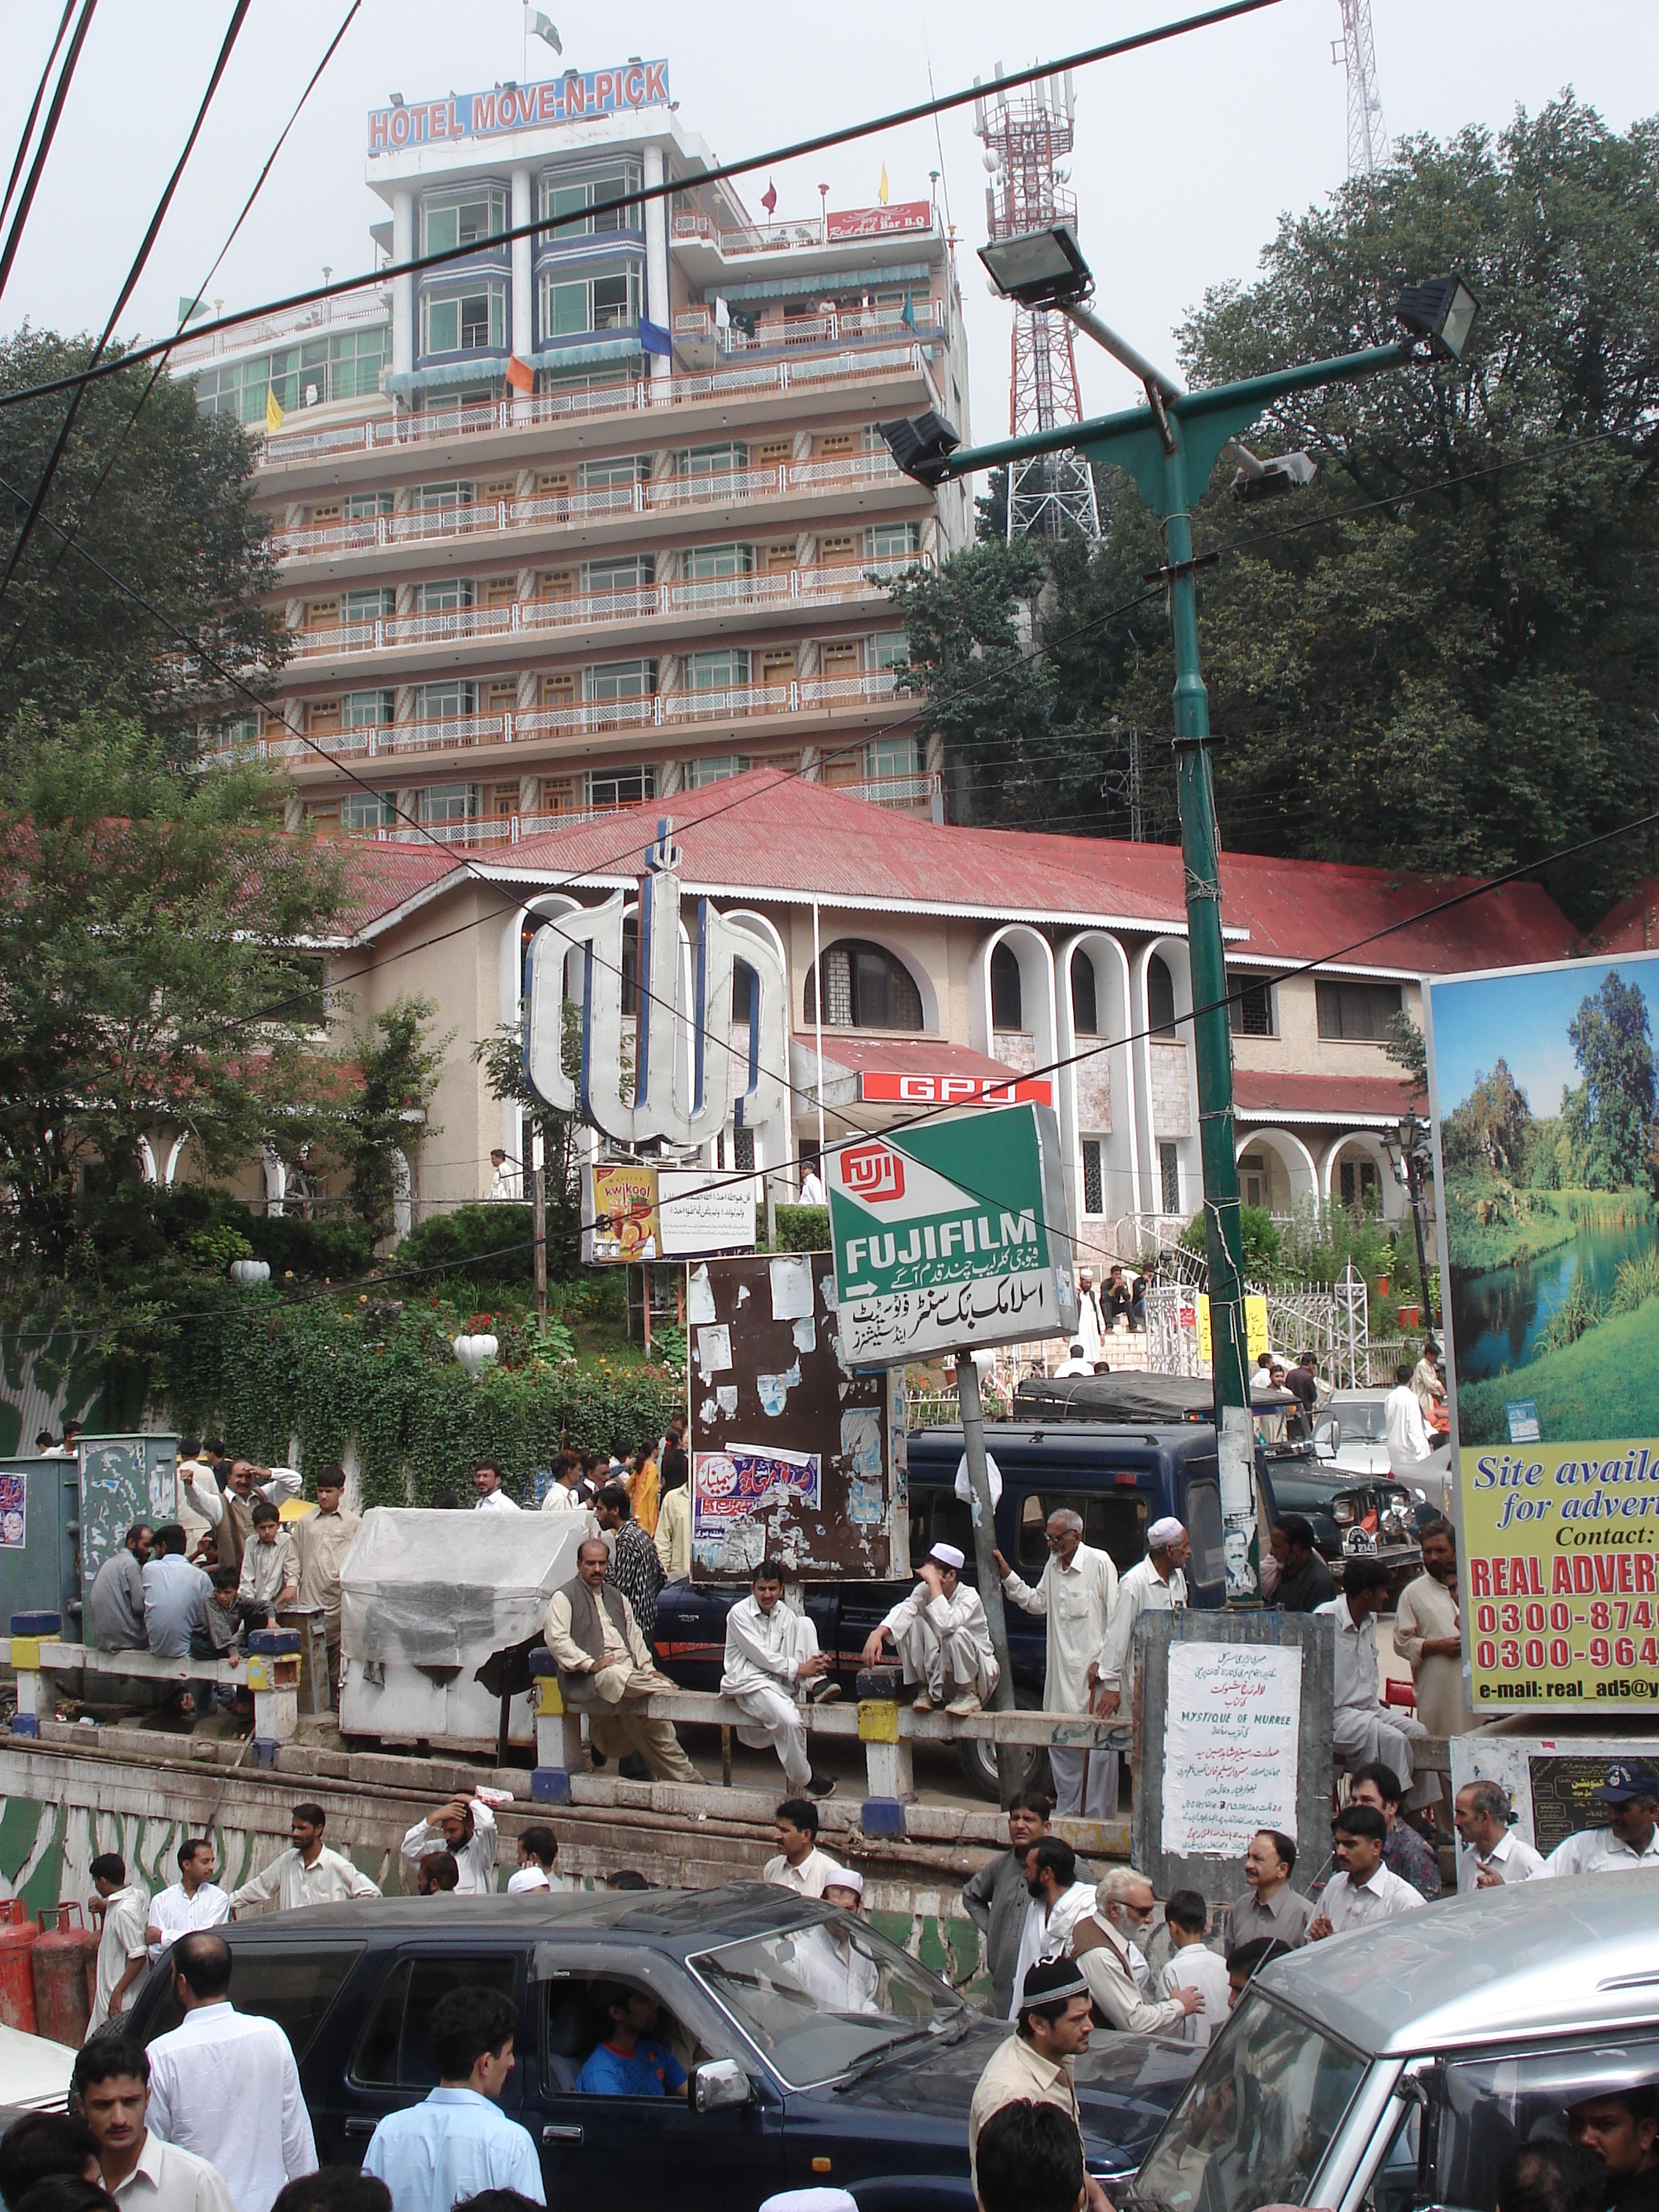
(1170, 446)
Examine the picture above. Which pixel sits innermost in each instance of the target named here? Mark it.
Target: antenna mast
(1368, 136)
(1025, 136)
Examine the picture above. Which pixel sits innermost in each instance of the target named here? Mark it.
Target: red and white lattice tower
(1026, 134)
(1356, 52)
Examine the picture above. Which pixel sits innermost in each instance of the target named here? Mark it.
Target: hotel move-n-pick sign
(683, 1051)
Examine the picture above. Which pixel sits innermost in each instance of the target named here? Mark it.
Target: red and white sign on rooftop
(878, 222)
(884, 1087)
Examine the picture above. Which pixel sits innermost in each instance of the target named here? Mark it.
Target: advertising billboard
(951, 1234)
(632, 1212)
(1546, 1114)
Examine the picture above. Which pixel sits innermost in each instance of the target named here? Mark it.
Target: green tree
(1488, 1133)
(384, 1118)
(1612, 1112)
(501, 1055)
(173, 516)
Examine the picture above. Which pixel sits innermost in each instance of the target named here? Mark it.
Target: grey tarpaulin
(1219, 1881)
(441, 1589)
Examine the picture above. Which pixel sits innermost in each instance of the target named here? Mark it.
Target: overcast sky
(1187, 154)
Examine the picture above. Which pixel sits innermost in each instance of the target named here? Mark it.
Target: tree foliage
(1610, 1117)
(1441, 656)
(160, 495)
(385, 1115)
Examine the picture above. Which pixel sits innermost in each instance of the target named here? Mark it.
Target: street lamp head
(1039, 268)
(921, 445)
(1442, 314)
(1288, 472)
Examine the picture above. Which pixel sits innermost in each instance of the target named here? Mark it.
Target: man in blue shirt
(629, 2062)
(456, 2144)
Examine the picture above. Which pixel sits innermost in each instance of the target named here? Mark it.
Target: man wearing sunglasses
(1101, 1948)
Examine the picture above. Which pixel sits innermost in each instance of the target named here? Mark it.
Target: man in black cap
(1034, 2065)
(1631, 1839)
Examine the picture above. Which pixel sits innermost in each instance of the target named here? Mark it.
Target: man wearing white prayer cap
(837, 1971)
(942, 1637)
(1155, 1585)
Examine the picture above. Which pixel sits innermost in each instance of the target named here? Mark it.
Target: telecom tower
(1025, 135)
(1368, 137)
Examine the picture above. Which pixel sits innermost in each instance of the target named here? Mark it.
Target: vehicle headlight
(1342, 1510)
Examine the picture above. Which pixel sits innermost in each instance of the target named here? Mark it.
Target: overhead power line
(1135, 42)
(60, 93)
(237, 18)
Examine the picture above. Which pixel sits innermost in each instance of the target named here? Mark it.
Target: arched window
(1085, 1018)
(1160, 997)
(1004, 989)
(864, 988)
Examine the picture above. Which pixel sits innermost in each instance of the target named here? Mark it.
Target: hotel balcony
(522, 529)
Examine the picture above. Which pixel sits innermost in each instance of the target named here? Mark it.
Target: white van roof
(1544, 1957)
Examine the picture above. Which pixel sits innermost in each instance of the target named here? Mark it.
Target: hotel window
(369, 810)
(1249, 1006)
(602, 579)
(324, 614)
(365, 710)
(1094, 1184)
(470, 221)
(1357, 1012)
(443, 595)
(1358, 1184)
(432, 498)
(778, 665)
(620, 469)
(500, 590)
(780, 555)
(449, 802)
(621, 786)
(719, 768)
(363, 506)
(864, 989)
(841, 660)
(837, 441)
(772, 451)
(705, 561)
(613, 680)
(1169, 1177)
(840, 551)
(501, 695)
(558, 794)
(894, 541)
(323, 714)
(369, 606)
(743, 1140)
(887, 757)
(572, 198)
(726, 670)
(714, 460)
(240, 730)
(605, 300)
(445, 703)
(890, 648)
(465, 322)
(561, 689)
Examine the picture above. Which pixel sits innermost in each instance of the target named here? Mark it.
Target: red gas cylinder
(58, 1966)
(18, 1936)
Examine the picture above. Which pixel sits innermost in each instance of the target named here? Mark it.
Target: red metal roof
(1319, 1097)
(765, 832)
(1632, 926)
(921, 1055)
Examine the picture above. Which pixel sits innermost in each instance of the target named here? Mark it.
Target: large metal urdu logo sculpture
(684, 1048)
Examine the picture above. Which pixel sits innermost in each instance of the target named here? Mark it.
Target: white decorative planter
(473, 1350)
(250, 1273)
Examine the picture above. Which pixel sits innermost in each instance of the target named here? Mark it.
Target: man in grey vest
(605, 1669)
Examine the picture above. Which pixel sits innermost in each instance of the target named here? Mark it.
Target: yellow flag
(273, 412)
(881, 189)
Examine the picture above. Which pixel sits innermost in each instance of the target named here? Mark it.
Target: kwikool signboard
(951, 1234)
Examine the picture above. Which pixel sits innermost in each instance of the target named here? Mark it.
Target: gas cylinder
(58, 1966)
(18, 1936)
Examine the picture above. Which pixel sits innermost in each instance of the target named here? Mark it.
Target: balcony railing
(823, 479)
(834, 328)
(640, 395)
(586, 718)
(806, 587)
(908, 794)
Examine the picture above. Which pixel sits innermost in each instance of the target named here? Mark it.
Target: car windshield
(1362, 1420)
(817, 1999)
(1256, 2119)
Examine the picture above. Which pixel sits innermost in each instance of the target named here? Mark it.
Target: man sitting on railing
(942, 1636)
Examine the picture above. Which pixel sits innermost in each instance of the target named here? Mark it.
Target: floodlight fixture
(1441, 314)
(1258, 479)
(921, 445)
(1040, 268)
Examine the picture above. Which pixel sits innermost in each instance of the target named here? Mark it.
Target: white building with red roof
(952, 961)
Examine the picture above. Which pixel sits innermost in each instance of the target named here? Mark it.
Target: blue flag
(653, 338)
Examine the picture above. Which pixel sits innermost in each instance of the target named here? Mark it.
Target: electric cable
(1111, 50)
(157, 373)
(60, 93)
(34, 110)
(237, 20)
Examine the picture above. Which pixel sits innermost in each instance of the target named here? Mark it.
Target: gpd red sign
(878, 1086)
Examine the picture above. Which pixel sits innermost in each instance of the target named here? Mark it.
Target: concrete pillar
(294, 515)
(521, 337)
(403, 703)
(293, 815)
(403, 288)
(803, 446)
(293, 614)
(806, 660)
(529, 698)
(403, 499)
(806, 548)
(812, 764)
(408, 802)
(670, 779)
(529, 793)
(403, 604)
(656, 257)
(933, 760)
(525, 584)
